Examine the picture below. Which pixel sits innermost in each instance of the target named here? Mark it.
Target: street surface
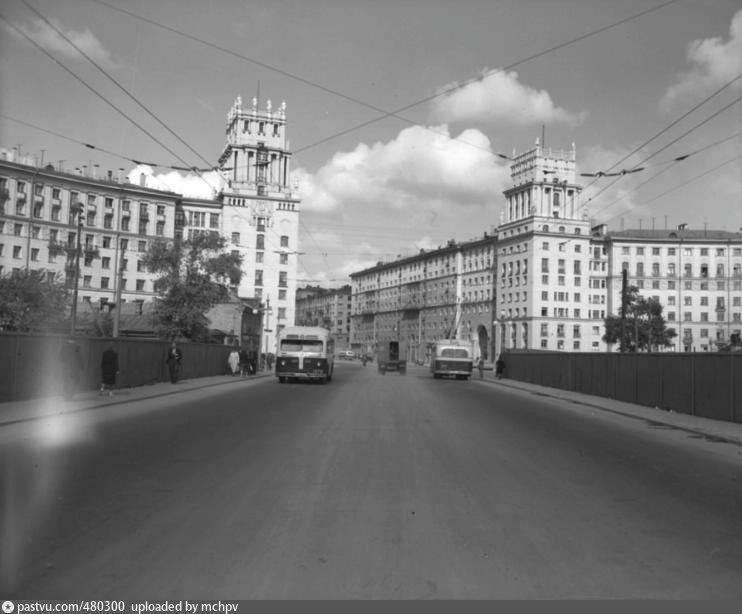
(369, 487)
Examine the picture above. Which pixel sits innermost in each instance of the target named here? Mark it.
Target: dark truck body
(390, 357)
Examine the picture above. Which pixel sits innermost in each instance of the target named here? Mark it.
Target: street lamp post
(78, 248)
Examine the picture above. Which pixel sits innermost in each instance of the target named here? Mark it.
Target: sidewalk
(12, 412)
(716, 430)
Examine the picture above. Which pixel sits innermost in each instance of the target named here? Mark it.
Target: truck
(452, 358)
(390, 356)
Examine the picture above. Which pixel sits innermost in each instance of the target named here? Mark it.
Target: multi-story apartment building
(695, 274)
(435, 294)
(546, 280)
(329, 308)
(43, 210)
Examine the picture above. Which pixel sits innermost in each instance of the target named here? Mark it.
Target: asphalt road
(369, 487)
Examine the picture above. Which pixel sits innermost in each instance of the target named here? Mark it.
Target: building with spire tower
(260, 210)
(543, 247)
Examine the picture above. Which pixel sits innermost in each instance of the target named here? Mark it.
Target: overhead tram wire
(686, 133)
(450, 90)
(384, 113)
(661, 132)
(106, 151)
(685, 183)
(115, 82)
(669, 165)
(98, 94)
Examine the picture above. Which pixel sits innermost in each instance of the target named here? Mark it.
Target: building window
(260, 242)
(104, 281)
(236, 238)
(258, 277)
(213, 220)
(284, 241)
(284, 258)
(282, 279)
(140, 285)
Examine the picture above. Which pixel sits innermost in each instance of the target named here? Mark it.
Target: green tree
(645, 328)
(195, 275)
(32, 301)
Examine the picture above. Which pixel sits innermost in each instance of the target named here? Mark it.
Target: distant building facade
(546, 280)
(329, 308)
(43, 210)
(443, 293)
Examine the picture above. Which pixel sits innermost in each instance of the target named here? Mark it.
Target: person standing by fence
(173, 360)
(109, 368)
(499, 367)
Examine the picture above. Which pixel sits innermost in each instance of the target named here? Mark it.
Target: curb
(650, 419)
(100, 404)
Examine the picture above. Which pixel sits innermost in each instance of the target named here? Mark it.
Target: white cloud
(422, 170)
(382, 198)
(49, 39)
(499, 97)
(206, 185)
(713, 63)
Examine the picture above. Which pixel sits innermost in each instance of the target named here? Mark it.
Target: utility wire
(691, 180)
(669, 165)
(661, 132)
(94, 91)
(106, 151)
(384, 113)
(114, 81)
(452, 89)
(686, 133)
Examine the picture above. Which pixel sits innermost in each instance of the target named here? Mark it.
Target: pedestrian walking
(499, 367)
(244, 362)
(480, 366)
(71, 365)
(109, 368)
(173, 360)
(234, 361)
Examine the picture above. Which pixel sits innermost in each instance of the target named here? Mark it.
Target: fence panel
(30, 366)
(713, 388)
(704, 384)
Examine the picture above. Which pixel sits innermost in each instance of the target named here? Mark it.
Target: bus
(452, 358)
(305, 353)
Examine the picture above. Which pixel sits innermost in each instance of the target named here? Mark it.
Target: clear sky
(396, 109)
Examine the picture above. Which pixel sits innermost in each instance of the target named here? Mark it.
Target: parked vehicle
(452, 358)
(346, 355)
(305, 353)
(390, 357)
